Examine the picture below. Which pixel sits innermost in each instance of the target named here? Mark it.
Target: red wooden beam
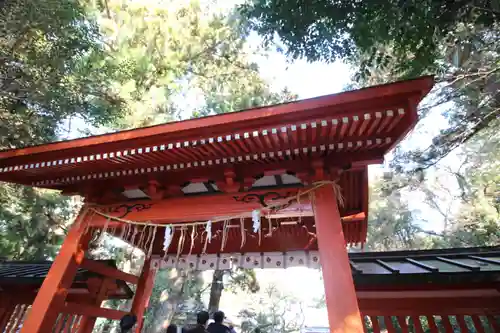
(202, 208)
(417, 324)
(61, 321)
(445, 320)
(389, 324)
(52, 294)
(493, 323)
(93, 311)
(478, 324)
(338, 103)
(103, 269)
(402, 323)
(14, 317)
(87, 323)
(143, 293)
(432, 323)
(375, 324)
(419, 306)
(357, 160)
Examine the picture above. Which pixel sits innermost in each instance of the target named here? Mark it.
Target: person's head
(172, 328)
(219, 317)
(127, 322)
(202, 318)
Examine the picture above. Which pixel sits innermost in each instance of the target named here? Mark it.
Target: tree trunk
(216, 291)
(170, 299)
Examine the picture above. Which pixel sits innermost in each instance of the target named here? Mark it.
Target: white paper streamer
(168, 238)
(208, 229)
(256, 220)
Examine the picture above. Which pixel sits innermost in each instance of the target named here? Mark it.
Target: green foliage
(274, 312)
(32, 222)
(389, 40)
(49, 72)
(466, 93)
(171, 51)
(470, 209)
(176, 298)
(330, 30)
(391, 223)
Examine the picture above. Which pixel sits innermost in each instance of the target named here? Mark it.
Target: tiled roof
(27, 272)
(33, 273)
(446, 266)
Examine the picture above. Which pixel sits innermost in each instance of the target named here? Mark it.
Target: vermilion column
(100, 289)
(343, 311)
(143, 292)
(50, 299)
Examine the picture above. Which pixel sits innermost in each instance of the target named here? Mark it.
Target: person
(201, 323)
(127, 322)
(217, 326)
(231, 329)
(172, 328)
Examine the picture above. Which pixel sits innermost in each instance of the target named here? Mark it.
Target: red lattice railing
(11, 320)
(432, 324)
(67, 323)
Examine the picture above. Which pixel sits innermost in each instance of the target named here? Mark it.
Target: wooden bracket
(229, 185)
(154, 191)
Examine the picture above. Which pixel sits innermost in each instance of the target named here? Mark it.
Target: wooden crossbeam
(417, 306)
(93, 311)
(103, 269)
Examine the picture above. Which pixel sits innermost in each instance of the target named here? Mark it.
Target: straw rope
(243, 234)
(275, 205)
(131, 228)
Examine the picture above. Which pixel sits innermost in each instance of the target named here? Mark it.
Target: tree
(477, 219)
(329, 31)
(391, 223)
(273, 312)
(32, 222)
(50, 72)
(176, 298)
(170, 50)
(469, 206)
(236, 279)
(389, 40)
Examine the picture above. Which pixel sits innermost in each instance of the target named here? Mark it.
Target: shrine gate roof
(356, 127)
(257, 153)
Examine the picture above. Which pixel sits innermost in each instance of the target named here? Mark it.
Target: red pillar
(143, 292)
(50, 299)
(343, 311)
(87, 323)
